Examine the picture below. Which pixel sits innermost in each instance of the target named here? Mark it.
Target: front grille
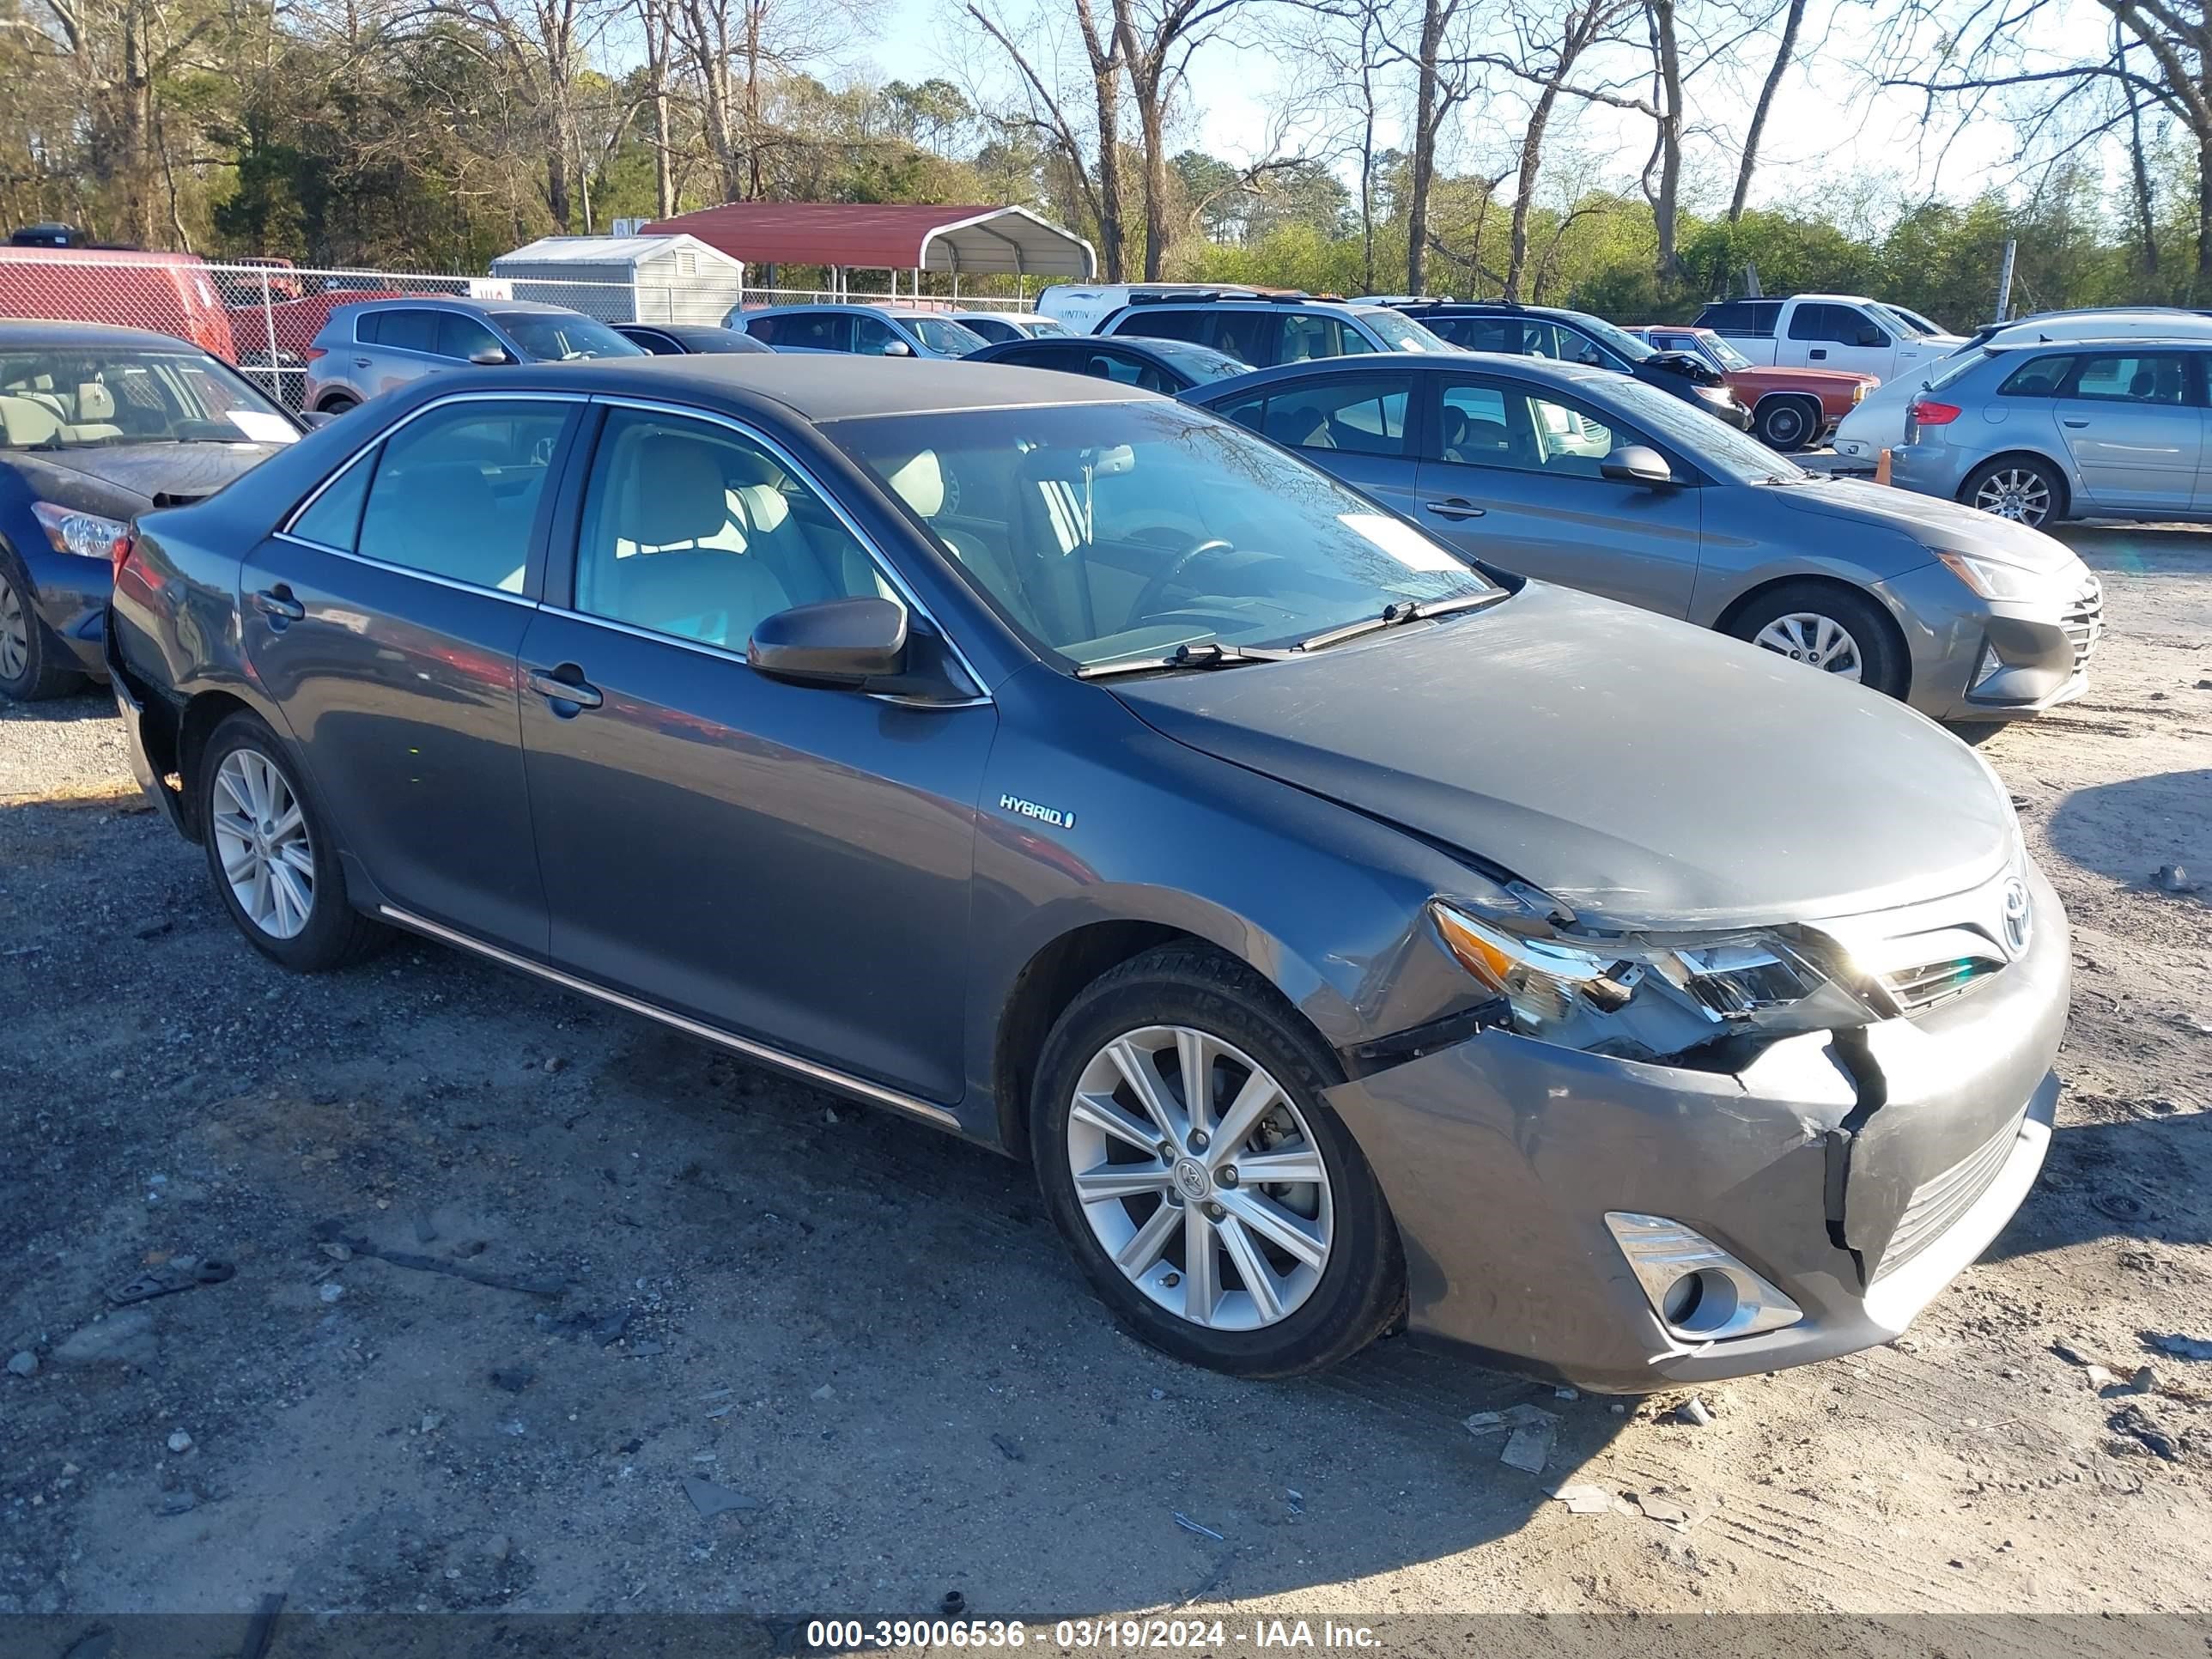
(2084, 620)
(1934, 983)
(1939, 1202)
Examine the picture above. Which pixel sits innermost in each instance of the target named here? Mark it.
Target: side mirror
(1637, 465)
(489, 357)
(1871, 336)
(837, 642)
(312, 418)
(898, 348)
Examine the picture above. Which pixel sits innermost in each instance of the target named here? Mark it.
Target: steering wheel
(1165, 578)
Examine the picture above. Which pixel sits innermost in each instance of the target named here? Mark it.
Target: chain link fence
(263, 315)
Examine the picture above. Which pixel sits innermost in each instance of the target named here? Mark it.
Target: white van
(1083, 305)
(1878, 424)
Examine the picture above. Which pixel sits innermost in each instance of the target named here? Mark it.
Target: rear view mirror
(1638, 463)
(837, 642)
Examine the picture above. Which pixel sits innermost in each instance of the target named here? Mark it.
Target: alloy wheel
(2018, 493)
(1200, 1178)
(1821, 641)
(261, 835)
(14, 632)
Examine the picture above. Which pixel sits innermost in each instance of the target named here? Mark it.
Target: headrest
(95, 402)
(921, 483)
(26, 422)
(677, 493)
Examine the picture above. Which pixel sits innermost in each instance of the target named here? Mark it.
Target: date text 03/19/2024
(1085, 1635)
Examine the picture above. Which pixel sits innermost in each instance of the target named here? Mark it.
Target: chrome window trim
(798, 468)
(828, 1076)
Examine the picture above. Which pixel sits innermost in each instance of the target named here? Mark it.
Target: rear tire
(1786, 424)
(275, 864)
(1255, 1277)
(1830, 627)
(2026, 489)
(33, 664)
(338, 405)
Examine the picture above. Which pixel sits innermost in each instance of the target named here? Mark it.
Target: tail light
(119, 554)
(1925, 413)
(308, 354)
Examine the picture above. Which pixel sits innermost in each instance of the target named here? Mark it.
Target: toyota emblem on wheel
(2019, 921)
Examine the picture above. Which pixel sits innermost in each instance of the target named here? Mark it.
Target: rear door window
(456, 490)
(2040, 377)
(409, 331)
(1167, 323)
(2161, 377)
(1249, 335)
(1308, 335)
(1481, 333)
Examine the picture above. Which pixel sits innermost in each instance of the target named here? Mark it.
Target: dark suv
(1576, 337)
(1266, 330)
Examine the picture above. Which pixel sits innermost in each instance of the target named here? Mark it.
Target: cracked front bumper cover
(1500, 1157)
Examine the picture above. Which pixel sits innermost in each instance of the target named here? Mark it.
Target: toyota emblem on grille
(2019, 920)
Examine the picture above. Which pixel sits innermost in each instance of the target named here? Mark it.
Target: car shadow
(92, 703)
(2140, 549)
(2147, 1178)
(2131, 829)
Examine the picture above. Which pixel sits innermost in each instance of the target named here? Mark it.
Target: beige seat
(95, 412)
(27, 422)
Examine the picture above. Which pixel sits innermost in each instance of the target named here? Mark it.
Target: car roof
(29, 331)
(816, 386)
(460, 302)
(1366, 363)
(2115, 342)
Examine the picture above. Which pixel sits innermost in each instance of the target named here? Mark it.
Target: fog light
(1985, 667)
(1700, 1292)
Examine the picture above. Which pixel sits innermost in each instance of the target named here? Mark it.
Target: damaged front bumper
(1858, 1173)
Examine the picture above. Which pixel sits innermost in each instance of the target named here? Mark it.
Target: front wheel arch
(1728, 620)
(2062, 493)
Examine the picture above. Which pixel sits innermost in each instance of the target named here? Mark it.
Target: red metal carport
(889, 236)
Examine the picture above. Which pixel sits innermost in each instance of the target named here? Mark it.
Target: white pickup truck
(1829, 330)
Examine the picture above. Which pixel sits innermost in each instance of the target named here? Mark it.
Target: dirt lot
(874, 1336)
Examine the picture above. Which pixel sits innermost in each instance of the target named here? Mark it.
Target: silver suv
(377, 344)
(1279, 328)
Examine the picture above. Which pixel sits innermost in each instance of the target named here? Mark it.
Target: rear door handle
(1818, 353)
(278, 604)
(1453, 507)
(566, 684)
(360, 362)
(2074, 424)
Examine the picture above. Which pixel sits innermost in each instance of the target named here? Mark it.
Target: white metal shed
(626, 279)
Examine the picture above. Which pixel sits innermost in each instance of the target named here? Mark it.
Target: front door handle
(2076, 425)
(1453, 507)
(1818, 354)
(277, 604)
(566, 684)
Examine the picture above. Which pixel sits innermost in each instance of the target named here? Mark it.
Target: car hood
(1647, 773)
(125, 478)
(1841, 379)
(1930, 521)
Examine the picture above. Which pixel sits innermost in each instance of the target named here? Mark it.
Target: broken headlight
(1650, 995)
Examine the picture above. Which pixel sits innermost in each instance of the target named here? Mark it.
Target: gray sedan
(1582, 477)
(2102, 430)
(1347, 937)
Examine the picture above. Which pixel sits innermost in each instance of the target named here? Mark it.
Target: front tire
(275, 864)
(339, 404)
(2022, 487)
(1232, 1221)
(32, 666)
(1829, 626)
(1786, 425)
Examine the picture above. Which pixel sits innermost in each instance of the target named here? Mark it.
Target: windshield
(1108, 531)
(1612, 334)
(947, 338)
(1403, 333)
(1201, 363)
(1722, 353)
(76, 397)
(1908, 322)
(1713, 444)
(550, 338)
(1041, 327)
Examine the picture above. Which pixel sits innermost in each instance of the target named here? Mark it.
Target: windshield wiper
(1192, 654)
(1403, 611)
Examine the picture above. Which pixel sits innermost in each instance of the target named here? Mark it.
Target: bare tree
(736, 51)
(1156, 38)
(1099, 182)
(1438, 85)
(1793, 19)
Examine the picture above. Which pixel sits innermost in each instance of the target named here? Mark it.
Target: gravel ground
(871, 1335)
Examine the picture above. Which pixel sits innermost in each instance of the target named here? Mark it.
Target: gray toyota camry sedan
(1351, 936)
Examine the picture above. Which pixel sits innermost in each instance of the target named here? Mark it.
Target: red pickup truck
(1790, 407)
